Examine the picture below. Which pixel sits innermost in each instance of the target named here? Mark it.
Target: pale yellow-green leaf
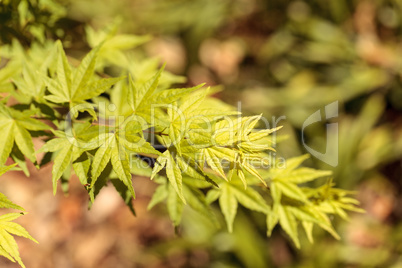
(262, 133)
(63, 71)
(288, 224)
(276, 193)
(53, 145)
(193, 101)
(16, 229)
(5, 254)
(141, 94)
(293, 163)
(139, 167)
(83, 73)
(100, 160)
(174, 175)
(6, 203)
(253, 171)
(302, 175)
(56, 99)
(160, 194)
(291, 190)
(175, 206)
(4, 169)
(138, 145)
(212, 196)
(196, 200)
(8, 243)
(228, 204)
(249, 198)
(189, 169)
(9, 247)
(61, 163)
(159, 165)
(8, 140)
(308, 228)
(170, 95)
(81, 169)
(272, 219)
(96, 88)
(330, 230)
(214, 157)
(121, 166)
(214, 162)
(24, 142)
(242, 177)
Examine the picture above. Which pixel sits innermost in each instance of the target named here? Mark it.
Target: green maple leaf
(8, 246)
(139, 96)
(15, 127)
(76, 86)
(145, 98)
(69, 148)
(308, 206)
(174, 203)
(214, 155)
(158, 196)
(194, 197)
(230, 141)
(31, 82)
(114, 147)
(231, 193)
(173, 172)
(180, 117)
(4, 169)
(114, 44)
(290, 215)
(284, 181)
(6, 203)
(333, 200)
(190, 119)
(118, 101)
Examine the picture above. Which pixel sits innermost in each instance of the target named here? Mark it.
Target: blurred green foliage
(281, 58)
(292, 58)
(27, 20)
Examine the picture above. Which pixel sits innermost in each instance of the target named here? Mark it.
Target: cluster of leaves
(303, 55)
(8, 245)
(29, 20)
(196, 148)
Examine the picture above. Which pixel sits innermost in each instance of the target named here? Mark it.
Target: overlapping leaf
(230, 142)
(193, 196)
(112, 50)
(68, 147)
(31, 82)
(115, 147)
(4, 169)
(76, 86)
(145, 98)
(15, 126)
(285, 180)
(293, 204)
(6, 203)
(173, 172)
(8, 246)
(231, 193)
